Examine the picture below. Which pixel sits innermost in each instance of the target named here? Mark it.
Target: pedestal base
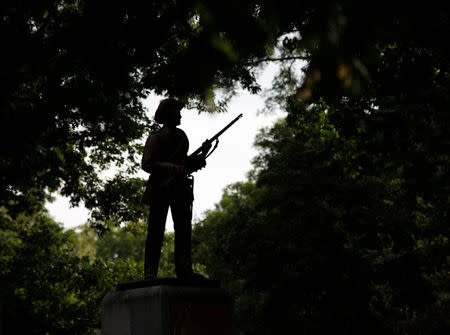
(167, 309)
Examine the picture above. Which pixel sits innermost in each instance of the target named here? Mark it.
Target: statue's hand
(206, 146)
(195, 163)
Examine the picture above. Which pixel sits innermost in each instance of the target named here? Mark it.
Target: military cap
(164, 106)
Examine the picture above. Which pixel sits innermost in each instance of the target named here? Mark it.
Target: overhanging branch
(280, 59)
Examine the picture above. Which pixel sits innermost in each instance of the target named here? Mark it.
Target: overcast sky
(228, 164)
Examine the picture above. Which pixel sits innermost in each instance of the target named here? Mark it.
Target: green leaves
(53, 281)
(43, 284)
(331, 218)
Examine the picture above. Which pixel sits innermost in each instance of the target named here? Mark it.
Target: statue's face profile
(168, 112)
(173, 117)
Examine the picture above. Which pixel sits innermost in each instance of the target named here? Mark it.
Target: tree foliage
(53, 281)
(342, 225)
(326, 238)
(75, 73)
(124, 244)
(46, 288)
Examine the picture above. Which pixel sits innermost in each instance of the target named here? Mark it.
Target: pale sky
(228, 164)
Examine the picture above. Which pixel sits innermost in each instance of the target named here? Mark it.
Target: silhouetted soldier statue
(170, 185)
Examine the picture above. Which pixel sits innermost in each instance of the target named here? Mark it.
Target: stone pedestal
(167, 307)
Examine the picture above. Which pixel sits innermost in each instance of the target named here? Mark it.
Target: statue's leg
(181, 209)
(156, 224)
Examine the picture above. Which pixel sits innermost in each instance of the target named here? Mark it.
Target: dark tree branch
(280, 59)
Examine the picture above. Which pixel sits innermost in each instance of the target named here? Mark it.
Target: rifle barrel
(224, 129)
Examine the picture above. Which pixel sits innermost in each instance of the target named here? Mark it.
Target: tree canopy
(74, 72)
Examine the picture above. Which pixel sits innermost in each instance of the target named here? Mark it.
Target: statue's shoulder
(166, 134)
(159, 134)
(181, 132)
(154, 137)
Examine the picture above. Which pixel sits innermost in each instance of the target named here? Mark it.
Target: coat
(165, 153)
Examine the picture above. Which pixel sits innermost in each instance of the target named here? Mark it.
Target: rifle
(204, 149)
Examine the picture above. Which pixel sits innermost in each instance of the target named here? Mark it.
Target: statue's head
(168, 111)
